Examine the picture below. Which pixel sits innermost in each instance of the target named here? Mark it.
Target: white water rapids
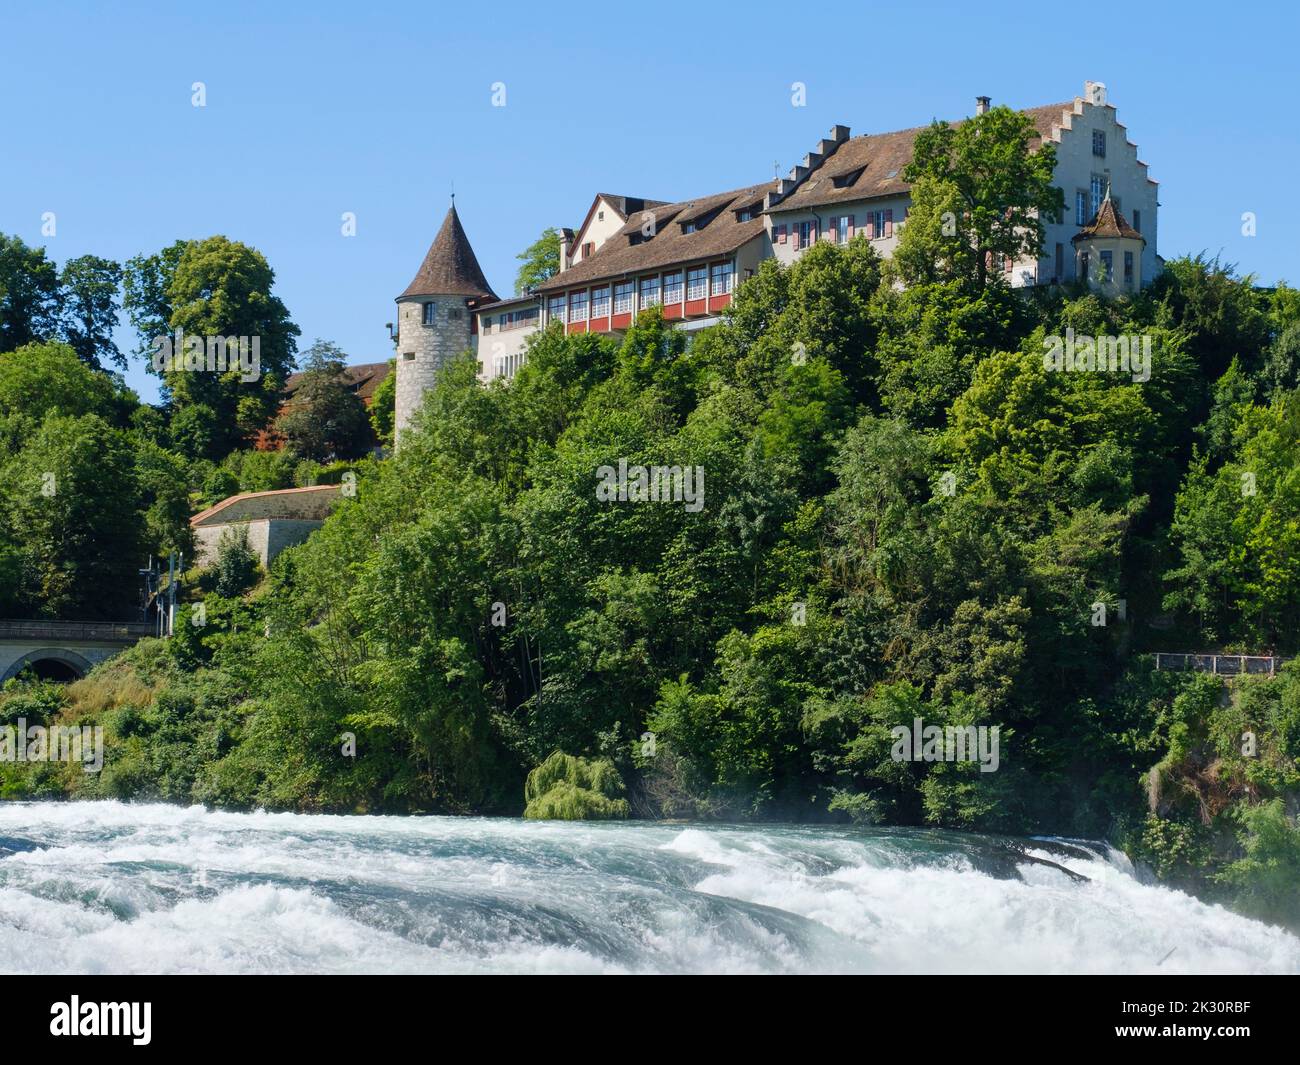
(112, 888)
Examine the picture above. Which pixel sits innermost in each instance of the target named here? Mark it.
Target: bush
(567, 788)
(236, 566)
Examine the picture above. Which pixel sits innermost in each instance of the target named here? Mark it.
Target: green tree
(383, 407)
(540, 260)
(89, 294)
(236, 567)
(29, 294)
(74, 506)
(42, 378)
(325, 419)
(222, 288)
(145, 283)
(997, 171)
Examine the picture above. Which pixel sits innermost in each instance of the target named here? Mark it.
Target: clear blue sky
(376, 108)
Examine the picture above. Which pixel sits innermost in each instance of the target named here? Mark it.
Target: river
(113, 888)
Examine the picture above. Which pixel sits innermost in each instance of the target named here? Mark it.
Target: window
(697, 283)
(1083, 266)
(623, 297)
(578, 306)
(1137, 221)
(587, 249)
(1080, 208)
(600, 302)
(429, 312)
(1128, 268)
(878, 224)
(556, 308)
(408, 356)
(1099, 143)
(1107, 266)
(722, 278)
(806, 234)
(487, 323)
(688, 227)
(841, 229)
(517, 319)
(745, 215)
(673, 288)
(649, 291)
(600, 215)
(1097, 190)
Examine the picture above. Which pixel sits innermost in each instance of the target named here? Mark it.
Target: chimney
(1095, 93)
(982, 105)
(566, 242)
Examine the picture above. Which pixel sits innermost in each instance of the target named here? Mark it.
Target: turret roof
(449, 267)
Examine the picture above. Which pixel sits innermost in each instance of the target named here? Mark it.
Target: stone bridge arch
(67, 650)
(63, 657)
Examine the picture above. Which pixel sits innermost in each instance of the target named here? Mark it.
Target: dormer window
(843, 181)
(688, 227)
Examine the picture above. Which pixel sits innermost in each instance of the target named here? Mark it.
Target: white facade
(1080, 172)
(1093, 152)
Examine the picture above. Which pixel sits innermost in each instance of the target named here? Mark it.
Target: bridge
(64, 650)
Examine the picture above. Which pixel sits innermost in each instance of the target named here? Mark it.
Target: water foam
(110, 887)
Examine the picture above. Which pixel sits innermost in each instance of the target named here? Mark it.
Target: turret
(434, 315)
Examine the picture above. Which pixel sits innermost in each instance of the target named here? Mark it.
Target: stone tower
(435, 315)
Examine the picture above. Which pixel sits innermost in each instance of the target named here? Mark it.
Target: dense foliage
(903, 514)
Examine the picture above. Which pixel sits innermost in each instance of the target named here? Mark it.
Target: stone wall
(266, 537)
(422, 349)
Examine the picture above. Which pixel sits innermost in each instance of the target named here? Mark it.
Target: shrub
(567, 788)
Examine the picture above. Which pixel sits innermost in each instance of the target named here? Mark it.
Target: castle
(686, 257)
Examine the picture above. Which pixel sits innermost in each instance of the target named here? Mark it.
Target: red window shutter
(851, 220)
(889, 222)
(1008, 264)
(794, 235)
(812, 233)
(780, 234)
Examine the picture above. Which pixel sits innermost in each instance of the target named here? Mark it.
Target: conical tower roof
(1108, 222)
(449, 267)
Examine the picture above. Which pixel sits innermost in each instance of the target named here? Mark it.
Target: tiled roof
(362, 379)
(626, 205)
(311, 502)
(449, 267)
(495, 305)
(669, 245)
(872, 165)
(1108, 222)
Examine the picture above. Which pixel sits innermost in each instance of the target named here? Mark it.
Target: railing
(1223, 665)
(128, 631)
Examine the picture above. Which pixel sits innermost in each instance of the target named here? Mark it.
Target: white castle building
(686, 257)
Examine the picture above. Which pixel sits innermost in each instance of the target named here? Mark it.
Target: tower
(435, 315)
(1109, 251)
